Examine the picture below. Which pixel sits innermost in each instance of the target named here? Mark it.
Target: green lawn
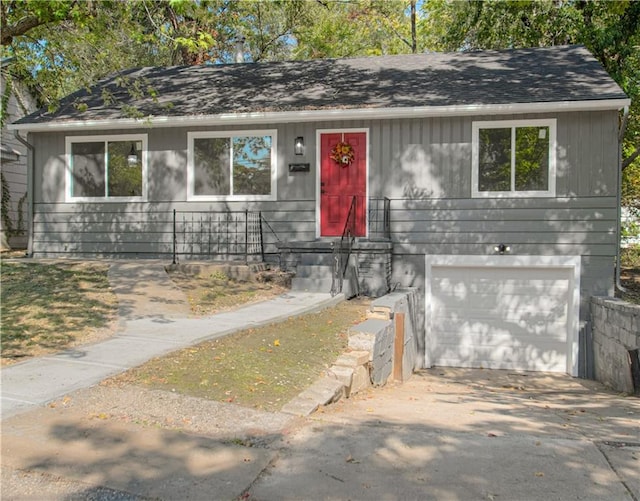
(262, 368)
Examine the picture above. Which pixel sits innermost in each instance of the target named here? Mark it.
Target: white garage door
(502, 312)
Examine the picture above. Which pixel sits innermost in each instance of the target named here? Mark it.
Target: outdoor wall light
(298, 146)
(502, 248)
(132, 157)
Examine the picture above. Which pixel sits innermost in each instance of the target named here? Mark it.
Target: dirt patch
(170, 410)
(215, 288)
(630, 280)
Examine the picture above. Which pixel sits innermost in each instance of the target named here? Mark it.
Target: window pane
(494, 165)
(87, 170)
(211, 166)
(124, 180)
(252, 165)
(532, 158)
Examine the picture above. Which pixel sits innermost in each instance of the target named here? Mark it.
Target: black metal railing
(227, 235)
(342, 251)
(380, 218)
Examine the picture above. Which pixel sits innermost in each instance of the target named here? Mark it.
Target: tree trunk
(414, 41)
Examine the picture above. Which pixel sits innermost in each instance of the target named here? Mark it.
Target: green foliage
(610, 30)
(353, 28)
(60, 46)
(4, 99)
(5, 209)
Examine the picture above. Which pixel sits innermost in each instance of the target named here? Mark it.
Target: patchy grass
(262, 368)
(50, 307)
(216, 289)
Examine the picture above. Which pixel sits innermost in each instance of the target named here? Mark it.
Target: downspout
(30, 197)
(623, 128)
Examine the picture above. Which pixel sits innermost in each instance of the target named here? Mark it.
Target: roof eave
(321, 115)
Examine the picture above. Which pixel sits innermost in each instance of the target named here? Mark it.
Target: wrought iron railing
(228, 235)
(342, 251)
(380, 218)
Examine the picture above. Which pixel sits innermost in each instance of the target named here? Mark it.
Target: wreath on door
(342, 153)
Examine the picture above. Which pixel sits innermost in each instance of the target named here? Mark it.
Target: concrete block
(625, 321)
(360, 357)
(379, 315)
(362, 342)
(612, 367)
(342, 374)
(394, 301)
(380, 312)
(352, 359)
(382, 361)
(370, 326)
(300, 406)
(629, 340)
(325, 391)
(360, 381)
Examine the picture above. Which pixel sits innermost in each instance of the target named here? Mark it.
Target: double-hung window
(237, 165)
(514, 158)
(106, 168)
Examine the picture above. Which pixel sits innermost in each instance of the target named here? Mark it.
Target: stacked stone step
(375, 336)
(352, 370)
(368, 361)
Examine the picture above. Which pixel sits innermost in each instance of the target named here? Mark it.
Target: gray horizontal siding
(423, 165)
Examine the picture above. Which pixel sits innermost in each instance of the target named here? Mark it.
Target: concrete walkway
(153, 320)
(446, 434)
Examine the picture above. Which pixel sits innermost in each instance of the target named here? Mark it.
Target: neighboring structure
(13, 164)
(487, 180)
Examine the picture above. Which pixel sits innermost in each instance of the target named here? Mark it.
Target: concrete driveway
(447, 434)
(466, 435)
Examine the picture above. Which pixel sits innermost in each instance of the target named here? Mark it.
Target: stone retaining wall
(615, 328)
(370, 359)
(377, 337)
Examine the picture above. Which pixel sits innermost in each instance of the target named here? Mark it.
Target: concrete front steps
(368, 272)
(312, 278)
(369, 360)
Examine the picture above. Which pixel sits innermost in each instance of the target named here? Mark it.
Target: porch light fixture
(298, 146)
(132, 157)
(502, 249)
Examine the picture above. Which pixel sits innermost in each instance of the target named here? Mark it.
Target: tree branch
(20, 28)
(629, 160)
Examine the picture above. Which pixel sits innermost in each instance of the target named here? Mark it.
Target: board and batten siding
(426, 172)
(423, 165)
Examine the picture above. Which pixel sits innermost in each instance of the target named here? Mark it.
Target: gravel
(224, 422)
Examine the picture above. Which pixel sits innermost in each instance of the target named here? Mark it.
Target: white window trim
(231, 134)
(503, 124)
(69, 140)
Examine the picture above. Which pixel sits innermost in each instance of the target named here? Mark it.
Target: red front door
(340, 183)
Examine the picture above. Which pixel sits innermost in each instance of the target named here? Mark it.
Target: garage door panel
(499, 341)
(531, 359)
(459, 327)
(463, 288)
(533, 312)
(500, 317)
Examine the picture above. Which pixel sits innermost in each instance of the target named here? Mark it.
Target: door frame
(319, 132)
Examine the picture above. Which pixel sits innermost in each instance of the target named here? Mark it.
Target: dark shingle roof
(562, 73)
